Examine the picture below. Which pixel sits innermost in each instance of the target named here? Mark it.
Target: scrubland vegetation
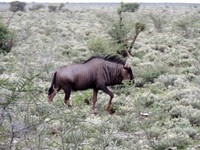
(162, 109)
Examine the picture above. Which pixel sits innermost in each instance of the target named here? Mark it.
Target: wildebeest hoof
(111, 111)
(107, 107)
(94, 113)
(69, 105)
(49, 100)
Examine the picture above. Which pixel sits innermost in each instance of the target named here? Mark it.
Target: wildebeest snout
(132, 81)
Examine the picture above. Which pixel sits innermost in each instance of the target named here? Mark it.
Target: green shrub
(188, 26)
(17, 6)
(118, 32)
(52, 8)
(177, 139)
(5, 39)
(158, 21)
(130, 7)
(195, 118)
(99, 45)
(151, 72)
(188, 112)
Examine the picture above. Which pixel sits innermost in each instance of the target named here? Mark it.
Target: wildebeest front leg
(106, 90)
(67, 96)
(94, 98)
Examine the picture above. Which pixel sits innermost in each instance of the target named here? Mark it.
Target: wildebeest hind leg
(106, 90)
(52, 94)
(67, 96)
(94, 98)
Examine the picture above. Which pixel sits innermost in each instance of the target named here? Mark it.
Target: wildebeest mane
(111, 58)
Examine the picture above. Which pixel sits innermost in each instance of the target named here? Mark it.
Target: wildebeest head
(127, 73)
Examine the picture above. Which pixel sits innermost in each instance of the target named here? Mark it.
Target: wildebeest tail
(51, 89)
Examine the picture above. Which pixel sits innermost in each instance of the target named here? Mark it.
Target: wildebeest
(96, 73)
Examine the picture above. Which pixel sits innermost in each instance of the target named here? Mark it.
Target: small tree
(61, 5)
(17, 6)
(119, 31)
(119, 34)
(139, 27)
(14, 7)
(52, 8)
(130, 7)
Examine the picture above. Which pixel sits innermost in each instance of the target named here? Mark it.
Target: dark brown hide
(96, 73)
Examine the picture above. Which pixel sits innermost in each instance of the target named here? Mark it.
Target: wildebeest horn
(127, 65)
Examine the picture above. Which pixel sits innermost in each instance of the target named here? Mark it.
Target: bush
(188, 26)
(52, 8)
(130, 7)
(99, 45)
(158, 21)
(151, 72)
(36, 7)
(188, 112)
(119, 32)
(17, 6)
(173, 139)
(5, 39)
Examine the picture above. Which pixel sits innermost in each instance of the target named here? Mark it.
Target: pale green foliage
(4, 32)
(173, 139)
(119, 32)
(151, 72)
(99, 45)
(188, 26)
(158, 21)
